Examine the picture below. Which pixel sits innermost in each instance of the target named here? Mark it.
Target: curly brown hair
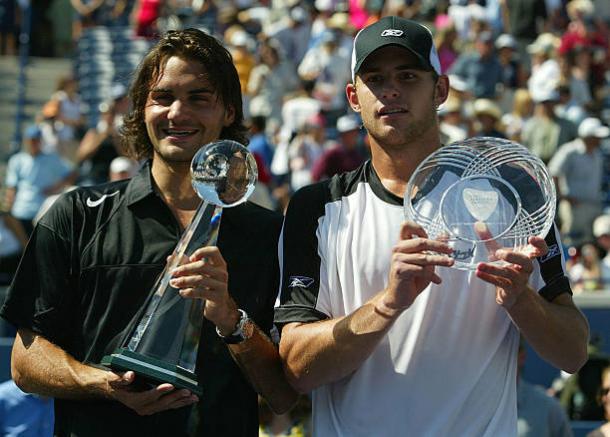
(189, 44)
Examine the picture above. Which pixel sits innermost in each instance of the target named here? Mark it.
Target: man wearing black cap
(388, 341)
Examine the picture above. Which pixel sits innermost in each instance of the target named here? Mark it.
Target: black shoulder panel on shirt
(300, 259)
(346, 183)
(551, 269)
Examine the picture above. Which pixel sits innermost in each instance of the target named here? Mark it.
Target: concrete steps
(42, 75)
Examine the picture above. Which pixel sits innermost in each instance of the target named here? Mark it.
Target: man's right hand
(160, 398)
(413, 266)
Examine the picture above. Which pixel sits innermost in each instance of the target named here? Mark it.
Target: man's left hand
(205, 277)
(511, 278)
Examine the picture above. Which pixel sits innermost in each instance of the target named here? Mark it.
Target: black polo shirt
(86, 272)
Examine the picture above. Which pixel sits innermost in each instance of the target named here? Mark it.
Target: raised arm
(39, 366)
(553, 326)
(556, 330)
(205, 277)
(318, 353)
(259, 360)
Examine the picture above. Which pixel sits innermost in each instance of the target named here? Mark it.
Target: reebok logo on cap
(392, 32)
(396, 31)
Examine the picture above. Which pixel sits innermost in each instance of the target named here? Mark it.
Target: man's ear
(352, 96)
(441, 90)
(229, 117)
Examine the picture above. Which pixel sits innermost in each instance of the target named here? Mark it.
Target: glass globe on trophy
(480, 195)
(163, 344)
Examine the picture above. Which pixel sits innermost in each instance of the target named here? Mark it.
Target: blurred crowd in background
(533, 71)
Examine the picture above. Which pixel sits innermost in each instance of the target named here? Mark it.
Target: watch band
(242, 332)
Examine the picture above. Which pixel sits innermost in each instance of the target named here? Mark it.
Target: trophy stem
(199, 233)
(162, 343)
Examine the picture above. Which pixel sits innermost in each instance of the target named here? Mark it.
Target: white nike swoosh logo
(98, 202)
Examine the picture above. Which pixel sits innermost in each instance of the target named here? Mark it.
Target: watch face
(248, 329)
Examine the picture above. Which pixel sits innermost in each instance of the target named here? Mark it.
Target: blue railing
(24, 55)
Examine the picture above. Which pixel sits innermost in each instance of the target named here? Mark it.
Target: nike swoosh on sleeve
(93, 203)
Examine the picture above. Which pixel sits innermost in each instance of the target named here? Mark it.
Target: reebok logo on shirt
(553, 251)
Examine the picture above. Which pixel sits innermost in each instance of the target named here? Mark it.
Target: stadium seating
(105, 56)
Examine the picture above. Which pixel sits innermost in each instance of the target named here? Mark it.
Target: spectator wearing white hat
(488, 115)
(601, 232)
(523, 19)
(452, 125)
(121, 168)
(546, 73)
(577, 169)
(347, 155)
(513, 74)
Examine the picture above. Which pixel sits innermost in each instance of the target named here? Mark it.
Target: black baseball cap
(399, 31)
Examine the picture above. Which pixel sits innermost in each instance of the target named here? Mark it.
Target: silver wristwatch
(243, 330)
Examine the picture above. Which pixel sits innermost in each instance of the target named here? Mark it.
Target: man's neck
(173, 183)
(395, 166)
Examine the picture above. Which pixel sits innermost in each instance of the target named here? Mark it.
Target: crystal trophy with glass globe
(163, 345)
(481, 195)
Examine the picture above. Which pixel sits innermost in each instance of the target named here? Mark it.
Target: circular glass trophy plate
(224, 173)
(481, 195)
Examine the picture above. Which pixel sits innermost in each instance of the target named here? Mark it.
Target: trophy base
(152, 371)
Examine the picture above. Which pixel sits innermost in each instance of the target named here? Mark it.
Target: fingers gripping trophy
(481, 195)
(162, 346)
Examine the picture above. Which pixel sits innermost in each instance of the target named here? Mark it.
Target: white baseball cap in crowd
(122, 164)
(458, 83)
(487, 107)
(545, 94)
(545, 43)
(506, 41)
(348, 123)
(593, 127)
(118, 91)
(601, 226)
(451, 105)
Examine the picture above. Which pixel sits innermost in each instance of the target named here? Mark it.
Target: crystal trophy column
(162, 346)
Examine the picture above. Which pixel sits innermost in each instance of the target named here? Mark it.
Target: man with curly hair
(94, 257)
